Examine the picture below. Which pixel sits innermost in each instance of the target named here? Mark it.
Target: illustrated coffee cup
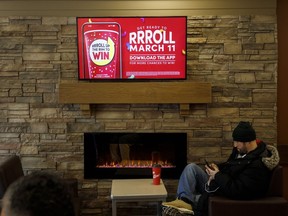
(102, 54)
(156, 171)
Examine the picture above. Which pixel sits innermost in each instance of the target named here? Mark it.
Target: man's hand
(212, 172)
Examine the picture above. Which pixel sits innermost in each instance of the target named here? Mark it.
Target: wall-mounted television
(118, 48)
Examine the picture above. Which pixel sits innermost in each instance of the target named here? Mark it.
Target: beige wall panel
(136, 8)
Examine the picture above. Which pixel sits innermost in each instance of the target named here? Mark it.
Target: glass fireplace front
(131, 155)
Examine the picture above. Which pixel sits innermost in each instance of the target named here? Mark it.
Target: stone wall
(237, 54)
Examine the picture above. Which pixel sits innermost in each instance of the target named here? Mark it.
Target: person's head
(37, 194)
(244, 137)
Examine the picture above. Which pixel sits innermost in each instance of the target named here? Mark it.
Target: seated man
(37, 194)
(245, 175)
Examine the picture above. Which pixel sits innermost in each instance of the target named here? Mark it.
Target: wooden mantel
(182, 92)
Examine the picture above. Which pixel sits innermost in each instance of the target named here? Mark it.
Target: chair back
(276, 182)
(10, 170)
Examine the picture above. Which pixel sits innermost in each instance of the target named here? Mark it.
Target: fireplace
(131, 155)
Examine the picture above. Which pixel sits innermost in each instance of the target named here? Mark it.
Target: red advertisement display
(132, 48)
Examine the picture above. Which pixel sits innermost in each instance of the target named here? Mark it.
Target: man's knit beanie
(244, 132)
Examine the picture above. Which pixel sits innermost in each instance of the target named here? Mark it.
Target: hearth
(131, 155)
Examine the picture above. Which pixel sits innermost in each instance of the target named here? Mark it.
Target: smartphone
(208, 164)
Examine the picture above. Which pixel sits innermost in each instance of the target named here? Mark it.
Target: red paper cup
(156, 171)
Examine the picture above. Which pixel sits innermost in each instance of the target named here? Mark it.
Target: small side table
(131, 190)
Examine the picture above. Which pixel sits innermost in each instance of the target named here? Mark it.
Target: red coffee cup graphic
(156, 171)
(101, 50)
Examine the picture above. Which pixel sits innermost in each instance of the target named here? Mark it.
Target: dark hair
(38, 194)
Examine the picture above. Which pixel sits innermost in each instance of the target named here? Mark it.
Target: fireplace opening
(131, 155)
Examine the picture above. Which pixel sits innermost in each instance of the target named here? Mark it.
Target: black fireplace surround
(110, 155)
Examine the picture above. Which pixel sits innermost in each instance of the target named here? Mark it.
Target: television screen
(131, 48)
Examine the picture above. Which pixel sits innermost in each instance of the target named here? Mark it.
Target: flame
(134, 164)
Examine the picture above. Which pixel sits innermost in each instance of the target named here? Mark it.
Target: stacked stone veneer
(237, 54)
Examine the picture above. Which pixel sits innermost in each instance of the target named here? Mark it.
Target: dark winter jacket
(245, 178)
(248, 177)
